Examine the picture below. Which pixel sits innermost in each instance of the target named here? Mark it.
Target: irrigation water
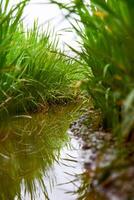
(38, 159)
(60, 155)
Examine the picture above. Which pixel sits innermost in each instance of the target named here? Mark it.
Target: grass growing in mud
(33, 71)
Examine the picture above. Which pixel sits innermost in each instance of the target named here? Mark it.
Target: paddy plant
(33, 71)
(106, 30)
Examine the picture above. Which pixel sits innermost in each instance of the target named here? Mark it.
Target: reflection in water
(29, 154)
(39, 161)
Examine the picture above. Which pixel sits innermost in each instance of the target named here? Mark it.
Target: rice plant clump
(33, 71)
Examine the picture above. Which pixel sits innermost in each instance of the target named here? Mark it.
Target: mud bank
(108, 175)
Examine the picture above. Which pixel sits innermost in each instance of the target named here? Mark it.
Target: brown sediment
(110, 167)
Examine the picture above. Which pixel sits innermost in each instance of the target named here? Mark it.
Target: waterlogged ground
(61, 155)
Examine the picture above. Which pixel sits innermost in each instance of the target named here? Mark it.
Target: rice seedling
(106, 31)
(33, 71)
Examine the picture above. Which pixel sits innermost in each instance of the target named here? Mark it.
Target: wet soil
(109, 169)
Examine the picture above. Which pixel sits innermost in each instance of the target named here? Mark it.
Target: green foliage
(9, 18)
(33, 71)
(106, 29)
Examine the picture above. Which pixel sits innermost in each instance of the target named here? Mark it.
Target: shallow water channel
(39, 160)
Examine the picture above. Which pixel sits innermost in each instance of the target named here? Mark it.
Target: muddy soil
(109, 169)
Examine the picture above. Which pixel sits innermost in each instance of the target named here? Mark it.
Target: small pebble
(86, 146)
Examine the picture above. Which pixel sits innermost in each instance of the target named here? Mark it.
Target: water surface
(38, 160)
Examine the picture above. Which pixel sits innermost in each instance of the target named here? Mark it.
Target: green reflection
(28, 148)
